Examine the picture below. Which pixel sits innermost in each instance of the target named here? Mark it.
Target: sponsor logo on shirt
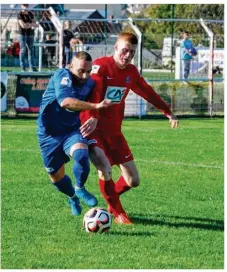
(115, 93)
(95, 69)
(66, 81)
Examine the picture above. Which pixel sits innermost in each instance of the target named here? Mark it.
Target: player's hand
(174, 122)
(88, 127)
(104, 104)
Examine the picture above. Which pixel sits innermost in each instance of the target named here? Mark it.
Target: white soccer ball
(97, 220)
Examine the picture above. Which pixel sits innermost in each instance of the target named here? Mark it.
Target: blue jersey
(188, 45)
(53, 119)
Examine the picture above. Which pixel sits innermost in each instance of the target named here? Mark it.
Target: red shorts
(115, 147)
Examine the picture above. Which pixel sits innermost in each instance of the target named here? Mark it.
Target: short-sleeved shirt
(53, 119)
(26, 17)
(188, 45)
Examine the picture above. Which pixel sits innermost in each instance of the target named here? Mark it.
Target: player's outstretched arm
(174, 122)
(73, 104)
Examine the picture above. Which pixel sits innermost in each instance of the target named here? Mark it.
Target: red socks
(108, 192)
(121, 186)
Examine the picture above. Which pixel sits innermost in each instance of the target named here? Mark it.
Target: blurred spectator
(68, 35)
(50, 52)
(187, 54)
(26, 24)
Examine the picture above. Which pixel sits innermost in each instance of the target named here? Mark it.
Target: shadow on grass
(205, 223)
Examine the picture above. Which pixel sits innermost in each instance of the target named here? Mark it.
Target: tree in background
(155, 32)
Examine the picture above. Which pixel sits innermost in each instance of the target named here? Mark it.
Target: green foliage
(178, 209)
(155, 32)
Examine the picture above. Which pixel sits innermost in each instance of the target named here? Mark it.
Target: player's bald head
(82, 55)
(81, 66)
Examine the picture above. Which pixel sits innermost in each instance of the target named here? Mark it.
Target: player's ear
(115, 47)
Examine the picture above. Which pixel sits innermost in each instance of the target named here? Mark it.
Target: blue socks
(81, 167)
(65, 186)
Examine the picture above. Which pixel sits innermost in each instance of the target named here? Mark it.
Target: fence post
(59, 26)
(211, 64)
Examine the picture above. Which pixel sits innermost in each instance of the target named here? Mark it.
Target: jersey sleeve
(144, 90)
(62, 84)
(97, 94)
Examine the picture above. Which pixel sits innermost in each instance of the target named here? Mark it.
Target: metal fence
(156, 57)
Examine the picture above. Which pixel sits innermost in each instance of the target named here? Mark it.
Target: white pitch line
(181, 164)
(136, 160)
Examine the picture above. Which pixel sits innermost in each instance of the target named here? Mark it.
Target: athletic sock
(65, 186)
(81, 166)
(108, 192)
(121, 186)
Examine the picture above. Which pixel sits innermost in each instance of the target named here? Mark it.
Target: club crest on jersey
(66, 81)
(127, 79)
(95, 69)
(115, 93)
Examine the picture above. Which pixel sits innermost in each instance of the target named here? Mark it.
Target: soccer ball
(97, 220)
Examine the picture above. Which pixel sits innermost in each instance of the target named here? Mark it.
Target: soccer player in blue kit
(59, 133)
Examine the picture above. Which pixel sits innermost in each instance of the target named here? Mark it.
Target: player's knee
(105, 174)
(133, 181)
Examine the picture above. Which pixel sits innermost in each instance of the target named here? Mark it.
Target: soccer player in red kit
(114, 77)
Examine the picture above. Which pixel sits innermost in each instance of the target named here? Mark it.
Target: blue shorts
(55, 149)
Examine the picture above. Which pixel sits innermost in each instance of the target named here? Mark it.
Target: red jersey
(114, 83)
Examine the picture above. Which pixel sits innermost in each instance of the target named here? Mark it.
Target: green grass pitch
(178, 209)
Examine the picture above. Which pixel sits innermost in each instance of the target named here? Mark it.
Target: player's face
(124, 53)
(81, 70)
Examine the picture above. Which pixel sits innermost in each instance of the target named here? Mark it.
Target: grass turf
(178, 209)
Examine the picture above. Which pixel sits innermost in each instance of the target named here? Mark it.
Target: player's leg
(106, 183)
(63, 184)
(76, 147)
(81, 169)
(123, 157)
(128, 179)
(54, 160)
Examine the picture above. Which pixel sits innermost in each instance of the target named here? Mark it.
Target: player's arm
(66, 98)
(74, 104)
(147, 92)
